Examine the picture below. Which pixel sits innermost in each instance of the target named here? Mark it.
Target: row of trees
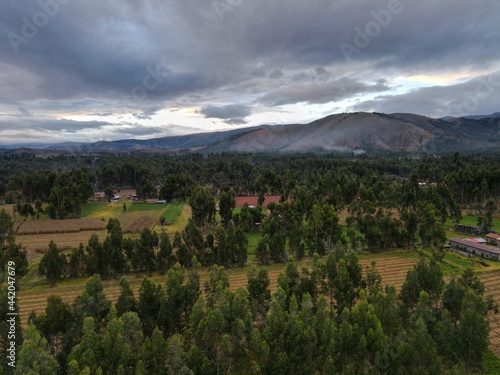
(117, 255)
(325, 319)
(461, 180)
(64, 192)
(10, 250)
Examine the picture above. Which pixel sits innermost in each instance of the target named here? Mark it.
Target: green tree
(92, 302)
(116, 351)
(97, 257)
(165, 258)
(150, 300)
(15, 253)
(87, 353)
(259, 294)
(6, 305)
(109, 193)
(145, 251)
(227, 203)
(473, 330)
(34, 356)
(432, 231)
(262, 251)
(202, 205)
(113, 246)
(52, 264)
(126, 301)
(77, 262)
(420, 352)
(180, 298)
(154, 353)
(6, 228)
(55, 322)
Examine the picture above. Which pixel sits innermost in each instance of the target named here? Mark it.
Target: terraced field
(491, 280)
(37, 244)
(393, 270)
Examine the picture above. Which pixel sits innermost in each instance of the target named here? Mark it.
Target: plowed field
(393, 271)
(491, 280)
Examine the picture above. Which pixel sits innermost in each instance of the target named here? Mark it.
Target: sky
(89, 70)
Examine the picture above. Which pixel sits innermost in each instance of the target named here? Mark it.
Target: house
(477, 240)
(467, 229)
(493, 238)
(485, 251)
(99, 194)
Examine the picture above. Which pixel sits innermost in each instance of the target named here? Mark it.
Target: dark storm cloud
(319, 92)
(225, 112)
(233, 114)
(139, 57)
(236, 121)
(24, 123)
(476, 96)
(138, 130)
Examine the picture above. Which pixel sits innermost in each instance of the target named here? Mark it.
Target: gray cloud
(16, 123)
(476, 96)
(318, 92)
(232, 114)
(129, 57)
(23, 111)
(138, 130)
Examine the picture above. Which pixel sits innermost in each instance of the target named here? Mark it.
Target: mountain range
(352, 132)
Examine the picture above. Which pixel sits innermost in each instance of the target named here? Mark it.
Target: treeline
(328, 319)
(116, 255)
(470, 180)
(64, 192)
(10, 250)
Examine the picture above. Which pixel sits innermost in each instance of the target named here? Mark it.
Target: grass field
(173, 212)
(472, 220)
(146, 207)
(491, 364)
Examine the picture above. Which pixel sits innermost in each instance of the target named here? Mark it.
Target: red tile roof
(252, 201)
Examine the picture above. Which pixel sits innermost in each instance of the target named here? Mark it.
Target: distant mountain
(475, 117)
(353, 132)
(371, 131)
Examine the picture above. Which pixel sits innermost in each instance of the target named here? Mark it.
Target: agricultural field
(35, 235)
(47, 226)
(36, 245)
(491, 280)
(393, 268)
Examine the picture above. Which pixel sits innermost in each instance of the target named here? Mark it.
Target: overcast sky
(86, 70)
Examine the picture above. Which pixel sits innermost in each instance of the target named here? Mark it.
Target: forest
(328, 316)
